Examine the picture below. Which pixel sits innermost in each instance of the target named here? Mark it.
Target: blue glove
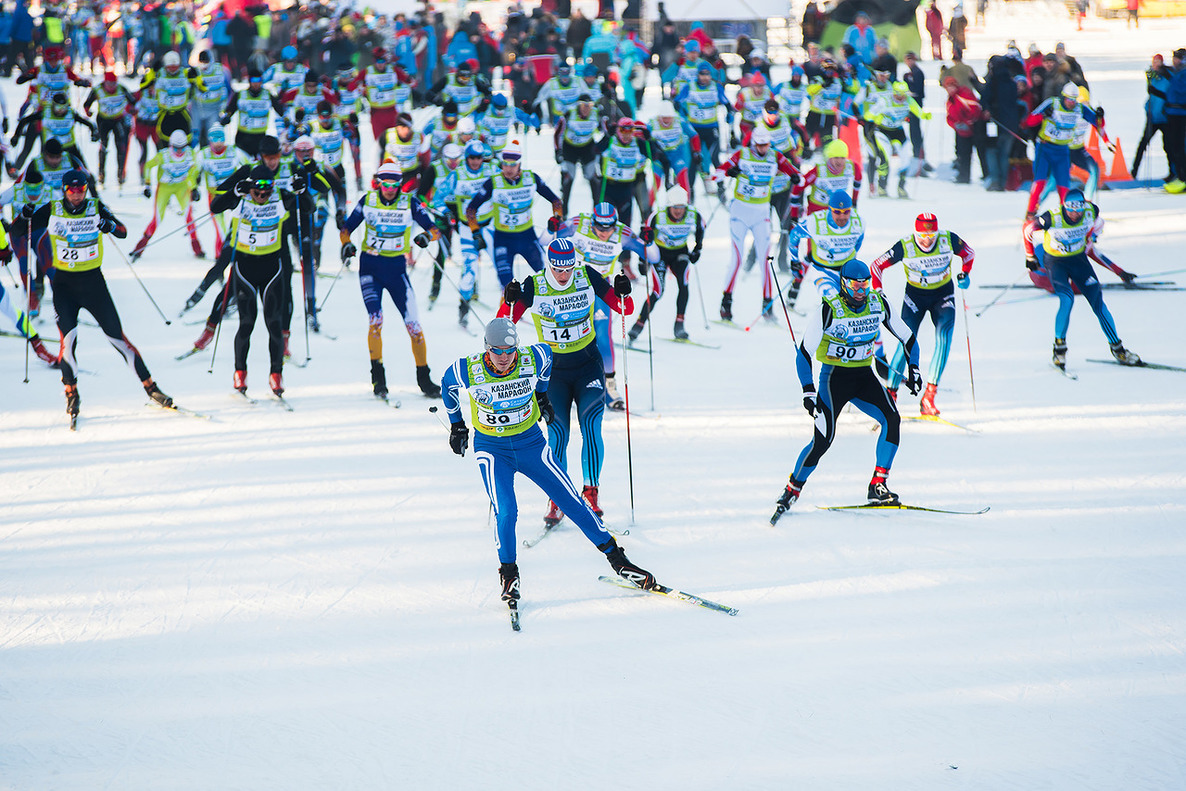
(962, 280)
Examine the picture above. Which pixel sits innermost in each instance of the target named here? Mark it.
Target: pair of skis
(1142, 364)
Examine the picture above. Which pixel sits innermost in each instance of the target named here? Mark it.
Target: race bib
(842, 351)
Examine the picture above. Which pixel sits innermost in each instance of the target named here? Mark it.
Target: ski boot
(590, 496)
(879, 493)
(1059, 356)
(788, 498)
(73, 402)
(239, 382)
(195, 297)
(624, 568)
(553, 516)
(793, 290)
(768, 311)
(43, 353)
(276, 382)
(207, 335)
(612, 399)
(463, 314)
(1123, 355)
(726, 307)
(882, 192)
(635, 331)
(509, 574)
(902, 193)
(427, 386)
(926, 405)
(378, 379)
(156, 395)
(678, 330)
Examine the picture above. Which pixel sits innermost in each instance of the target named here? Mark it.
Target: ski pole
(30, 268)
(984, 310)
(185, 226)
(968, 338)
(141, 282)
(778, 290)
(651, 356)
(626, 392)
(301, 250)
(226, 293)
(700, 294)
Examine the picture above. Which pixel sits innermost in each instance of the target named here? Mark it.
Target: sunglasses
(502, 351)
(843, 212)
(75, 188)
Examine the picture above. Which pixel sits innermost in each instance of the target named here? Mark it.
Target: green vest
(502, 406)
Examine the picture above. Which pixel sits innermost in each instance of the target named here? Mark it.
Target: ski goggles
(926, 239)
(388, 182)
(1075, 205)
(263, 185)
(75, 189)
(857, 290)
(502, 351)
(841, 214)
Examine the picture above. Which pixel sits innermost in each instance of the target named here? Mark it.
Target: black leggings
(677, 261)
(108, 128)
(77, 291)
(259, 277)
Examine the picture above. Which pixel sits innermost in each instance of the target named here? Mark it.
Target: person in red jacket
(935, 29)
(963, 114)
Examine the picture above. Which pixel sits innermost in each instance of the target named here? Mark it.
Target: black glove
(795, 179)
(694, 256)
(512, 293)
(194, 194)
(479, 241)
(1031, 263)
(106, 226)
(1127, 277)
(559, 156)
(914, 380)
(733, 141)
(4, 126)
(310, 167)
(733, 171)
(420, 239)
(298, 186)
(810, 402)
(349, 251)
(459, 438)
(28, 210)
(241, 189)
(340, 219)
(553, 224)
(545, 407)
(647, 235)
(148, 192)
(223, 120)
(621, 285)
(6, 254)
(94, 135)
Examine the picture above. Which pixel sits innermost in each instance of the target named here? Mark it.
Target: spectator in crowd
(861, 36)
(957, 28)
(966, 117)
(934, 25)
(1157, 80)
(1175, 123)
(813, 24)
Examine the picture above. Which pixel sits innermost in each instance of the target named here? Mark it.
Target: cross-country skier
(927, 256)
(841, 335)
(562, 300)
(508, 389)
(671, 229)
(1059, 241)
(834, 236)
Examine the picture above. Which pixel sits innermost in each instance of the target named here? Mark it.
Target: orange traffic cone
(848, 133)
(1119, 171)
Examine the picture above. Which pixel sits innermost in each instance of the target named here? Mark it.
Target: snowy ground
(309, 600)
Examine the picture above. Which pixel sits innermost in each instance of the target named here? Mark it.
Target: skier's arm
(546, 191)
(353, 221)
(894, 324)
(85, 122)
(543, 365)
(120, 231)
(475, 204)
(455, 378)
(965, 252)
(888, 259)
(813, 335)
(623, 305)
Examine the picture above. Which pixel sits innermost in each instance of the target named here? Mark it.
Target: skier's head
(511, 160)
(34, 183)
(770, 113)
(451, 153)
(74, 186)
(584, 105)
(605, 220)
(704, 75)
(310, 81)
(465, 73)
(261, 182)
(854, 283)
(562, 260)
(217, 137)
(380, 56)
(564, 73)
(449, 114)
(625, 130)
(499, 102)
(178, 141)
(466, 129)
(288, 55)
(589, 74)
(881, 76)
(403, 121)
(171, 62)
(303, 148)
(926, 231)
(110, 82)
(666, 113)
(388, 179)
(52, 56)
(502, 345)
(1070, 95)
(759, 141)
(52, 152)
(255, 81)
(836, 155)
(677, 202)
(59, 105)
(325, 114)
(839, 208)
(475, 154)
(1074, 205)
(269, 152)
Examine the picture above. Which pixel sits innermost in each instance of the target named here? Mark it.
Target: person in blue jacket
(1157, 80)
